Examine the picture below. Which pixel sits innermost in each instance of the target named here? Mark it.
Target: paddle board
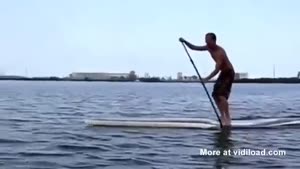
(193, 123)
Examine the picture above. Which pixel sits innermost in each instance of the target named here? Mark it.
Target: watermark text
(241, 152)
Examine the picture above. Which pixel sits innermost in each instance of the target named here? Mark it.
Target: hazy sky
(57, 37)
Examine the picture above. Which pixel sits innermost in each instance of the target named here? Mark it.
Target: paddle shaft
(211, 101)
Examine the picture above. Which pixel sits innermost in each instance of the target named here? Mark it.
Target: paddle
(212, 104)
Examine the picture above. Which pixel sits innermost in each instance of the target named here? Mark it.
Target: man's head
(211, 39)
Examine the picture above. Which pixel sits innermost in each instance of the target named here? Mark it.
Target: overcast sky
(57, 37)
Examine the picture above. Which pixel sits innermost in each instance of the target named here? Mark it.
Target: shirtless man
(222, 87)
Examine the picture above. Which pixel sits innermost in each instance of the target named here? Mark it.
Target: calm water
(42, 126)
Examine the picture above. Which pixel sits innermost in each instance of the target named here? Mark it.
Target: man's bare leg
(225, 109)
(227, 113)
(222, 109)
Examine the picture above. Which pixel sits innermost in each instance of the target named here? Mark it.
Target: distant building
(195, 77)
(97, 76)
(147, 75)
(179, 76)
(240, 75)
(298, 75)
(190, 78)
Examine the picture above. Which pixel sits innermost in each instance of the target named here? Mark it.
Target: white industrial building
(241, 75)
(179, 76)
(97, 75)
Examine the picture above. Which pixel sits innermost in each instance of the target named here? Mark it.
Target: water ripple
(41, 125)
(69, 147)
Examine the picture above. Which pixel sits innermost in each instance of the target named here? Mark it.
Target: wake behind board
(192, 123)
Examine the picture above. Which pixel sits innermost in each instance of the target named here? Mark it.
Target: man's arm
(193, 47)
(215, 72)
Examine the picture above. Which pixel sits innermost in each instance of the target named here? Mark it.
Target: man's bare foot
(223, 120)
(228, 122)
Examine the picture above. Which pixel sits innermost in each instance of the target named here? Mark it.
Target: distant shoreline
(152, 80)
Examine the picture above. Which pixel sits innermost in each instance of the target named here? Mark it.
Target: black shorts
(223, 84)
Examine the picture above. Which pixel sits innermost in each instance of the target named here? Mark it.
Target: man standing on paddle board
(222, 87)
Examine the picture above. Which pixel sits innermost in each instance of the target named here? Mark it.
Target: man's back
(219, 55)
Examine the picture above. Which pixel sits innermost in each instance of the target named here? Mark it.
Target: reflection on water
(223, 143)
